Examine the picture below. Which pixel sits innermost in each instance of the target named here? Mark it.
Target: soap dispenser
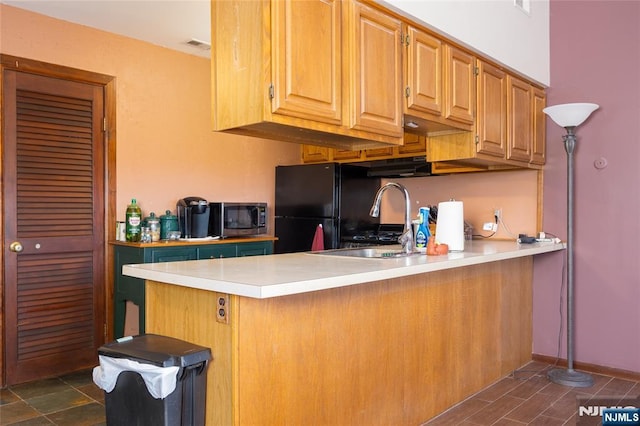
(422, 233)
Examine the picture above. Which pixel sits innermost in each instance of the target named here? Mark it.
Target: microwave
(237, 219)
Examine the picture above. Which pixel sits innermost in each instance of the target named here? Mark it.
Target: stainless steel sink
(370, 252)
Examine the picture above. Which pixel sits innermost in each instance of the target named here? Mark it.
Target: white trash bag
(160, 381)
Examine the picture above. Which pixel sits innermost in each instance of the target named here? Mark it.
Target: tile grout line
(531, 396)
(40, 414)
(523, 381)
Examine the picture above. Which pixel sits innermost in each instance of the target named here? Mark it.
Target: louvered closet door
(54, 208)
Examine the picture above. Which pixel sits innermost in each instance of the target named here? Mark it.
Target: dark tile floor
(72, 400)
(524, 398)
(527, 397)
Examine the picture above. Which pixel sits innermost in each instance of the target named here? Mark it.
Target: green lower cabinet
(254, 249)
(217, 251)
(176, 254)
(132, 289)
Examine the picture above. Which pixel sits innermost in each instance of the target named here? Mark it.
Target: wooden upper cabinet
(413, 144)
(510, 126)
(238, 84)
(325, 72)
(379, 153)
(538, 144)
(520, 120)
(374, 67)
(343, 76)
(423, 72)
(307, 60)
(460, 85)
(316, 154)
(491, 125)
(345, 154)
(526, 122)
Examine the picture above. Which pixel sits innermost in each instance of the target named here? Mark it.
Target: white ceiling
(167, 23)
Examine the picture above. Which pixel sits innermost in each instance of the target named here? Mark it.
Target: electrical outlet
(497, 213)
(222, 309)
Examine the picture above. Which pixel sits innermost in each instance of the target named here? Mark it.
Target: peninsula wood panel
(394, 351)
(190, 315)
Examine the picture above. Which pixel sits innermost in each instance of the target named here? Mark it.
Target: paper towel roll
(450, 225)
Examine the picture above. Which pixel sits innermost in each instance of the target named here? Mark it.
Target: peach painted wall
(512, 191)
(595, 57)
(165, 148)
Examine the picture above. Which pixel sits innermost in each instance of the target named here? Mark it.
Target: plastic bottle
(133, 222)
(423, 234)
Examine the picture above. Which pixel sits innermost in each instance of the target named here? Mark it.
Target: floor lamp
(570, 116)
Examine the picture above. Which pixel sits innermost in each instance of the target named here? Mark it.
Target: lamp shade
(570, 115)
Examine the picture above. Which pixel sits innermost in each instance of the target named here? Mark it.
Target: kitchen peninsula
(312, 338)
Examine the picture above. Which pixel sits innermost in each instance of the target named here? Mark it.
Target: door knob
(16, 247)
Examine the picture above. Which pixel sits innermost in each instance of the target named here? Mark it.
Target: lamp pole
(570, 377)
(569, 146)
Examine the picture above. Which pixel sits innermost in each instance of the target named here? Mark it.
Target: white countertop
(285, 274)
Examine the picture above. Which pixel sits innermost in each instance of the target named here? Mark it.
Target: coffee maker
(193, 217)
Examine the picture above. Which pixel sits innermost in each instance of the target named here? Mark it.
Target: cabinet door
(126, 288)
(413, 144)
(460, 85)
(173, 254)
(519, 120)
(375, 62)
(424, 72)
(316, 154)
(217, 251)
(491, 124)
(374, 153)
(306, 59)
(538, 144)
(255, 249)
(346, 154)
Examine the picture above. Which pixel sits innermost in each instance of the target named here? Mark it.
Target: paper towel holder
(450, 225)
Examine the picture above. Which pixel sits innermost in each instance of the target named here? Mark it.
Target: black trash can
(131, 403)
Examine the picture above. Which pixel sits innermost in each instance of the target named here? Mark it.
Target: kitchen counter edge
(296, 273)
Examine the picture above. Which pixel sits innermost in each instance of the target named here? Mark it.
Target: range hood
(398, 167)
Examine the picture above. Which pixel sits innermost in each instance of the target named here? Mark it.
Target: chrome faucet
(406, 239)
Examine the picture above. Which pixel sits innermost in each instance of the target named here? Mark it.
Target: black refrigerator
(337, 196)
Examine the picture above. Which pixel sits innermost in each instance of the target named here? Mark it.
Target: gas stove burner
(384, 234)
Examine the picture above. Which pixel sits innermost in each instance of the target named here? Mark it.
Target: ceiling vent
(202, 45)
